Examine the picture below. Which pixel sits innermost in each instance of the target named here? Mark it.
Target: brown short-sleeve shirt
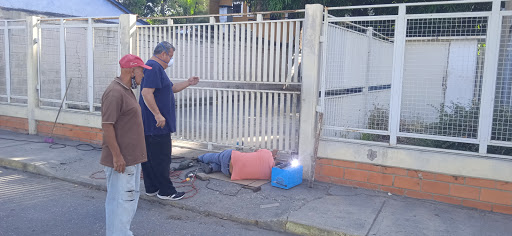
(119, 107)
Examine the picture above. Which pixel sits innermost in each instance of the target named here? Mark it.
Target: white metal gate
(250, 82)
(13, 70)
(435, 80)
(81, 52)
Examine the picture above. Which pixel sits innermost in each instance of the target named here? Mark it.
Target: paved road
(36, 205)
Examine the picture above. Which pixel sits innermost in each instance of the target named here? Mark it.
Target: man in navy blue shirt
(159, 117)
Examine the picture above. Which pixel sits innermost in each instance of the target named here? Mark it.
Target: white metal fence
(420, 79)
(83, 53)
(13, 70)
(250, 83)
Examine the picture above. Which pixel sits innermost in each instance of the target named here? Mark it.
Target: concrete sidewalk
(322, 210)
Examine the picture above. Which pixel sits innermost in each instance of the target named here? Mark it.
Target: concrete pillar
(310, 84)
(32, 76)
(128, 34)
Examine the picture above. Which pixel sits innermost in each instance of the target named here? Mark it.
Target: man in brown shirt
(124, 146)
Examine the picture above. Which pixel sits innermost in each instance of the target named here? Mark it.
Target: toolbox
(286, 177)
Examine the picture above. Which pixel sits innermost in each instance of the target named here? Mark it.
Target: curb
(307, 230)
(273, 225)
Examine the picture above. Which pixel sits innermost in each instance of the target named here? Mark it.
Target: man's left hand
(193, 80)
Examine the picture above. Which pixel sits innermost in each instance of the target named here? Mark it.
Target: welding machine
(286, 175)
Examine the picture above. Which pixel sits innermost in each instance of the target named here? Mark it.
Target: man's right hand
(119, 164)
(160, 121)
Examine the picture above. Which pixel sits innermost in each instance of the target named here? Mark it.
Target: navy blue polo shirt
(164, 97)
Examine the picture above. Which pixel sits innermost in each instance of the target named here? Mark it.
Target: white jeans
(123, 191)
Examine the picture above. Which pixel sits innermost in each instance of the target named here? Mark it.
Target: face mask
(171, 62)
(134, 84)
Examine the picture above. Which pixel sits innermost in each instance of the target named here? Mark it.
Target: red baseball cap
(130, 61)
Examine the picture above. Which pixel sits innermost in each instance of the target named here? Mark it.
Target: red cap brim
(147, 67)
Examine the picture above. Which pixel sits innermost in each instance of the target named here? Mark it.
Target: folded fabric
(254, 165)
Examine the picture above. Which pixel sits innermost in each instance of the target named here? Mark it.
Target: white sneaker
(174, 197)
(152, 194)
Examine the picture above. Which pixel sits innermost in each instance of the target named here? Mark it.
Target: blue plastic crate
(287, 177)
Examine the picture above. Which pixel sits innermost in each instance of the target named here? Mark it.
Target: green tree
(149, 8)
(278, 5)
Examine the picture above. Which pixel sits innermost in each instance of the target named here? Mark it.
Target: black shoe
(207, 169)
(174, 197)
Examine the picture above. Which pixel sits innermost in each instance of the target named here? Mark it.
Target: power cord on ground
(82, 147)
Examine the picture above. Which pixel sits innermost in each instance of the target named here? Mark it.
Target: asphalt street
(36, 205)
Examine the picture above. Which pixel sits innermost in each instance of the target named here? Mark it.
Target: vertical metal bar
(490, 74)
(198, 116)
(253, 56)
(203, 108)
(296, 55)
(218, 57)
(263, 119)
(174, 43)
(164, 29)
(7, 62)
(181, 58)
(220, 113)
(281, 121)
(275, 118)
(290, 50)
(151, 45)
(259, 71)
(237, 53)
(294, 126)
(179, 130)
(257, 120)
(226, 53)
(209, 125)
(215, 52)
(189, 55)
(283, 52)
(251, 121)
(397, 75)
(203, 75)
(246, 119)
(62, 61)
(242, 53)
(279, 42)
(145, 43)
(231, 51)
(272, 42)
(225, 116)
(230, 118)
(269, 106)
(220, 61)
(183, 108)
(158, 32)
(192, 107)
(265, 54)
(240, 117)
(236, 122)
(90, 65)
(286, 138)
(248, 53)
(190, 115)
(209, 65)
(193, 63)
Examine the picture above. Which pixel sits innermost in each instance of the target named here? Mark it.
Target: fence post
(397, 75)
(128, 34)
(32, 76)
(7, 62)
(128, 38)
(489, 80)
(310, 83)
